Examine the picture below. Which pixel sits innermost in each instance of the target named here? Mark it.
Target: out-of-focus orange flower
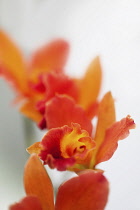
(89, 190)
(25, 74)
(72, 148)
(39, 79)
(84, 91)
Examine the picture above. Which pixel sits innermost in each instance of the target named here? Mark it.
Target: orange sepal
(106, 117)
(34, 148)
(89, 191)
(118, 131)
(12, 65)
(51, 57)
(27, 203)
(38, 183)
(90, 86)
(62, 110)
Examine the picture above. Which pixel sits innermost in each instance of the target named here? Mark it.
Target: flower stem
(29, 132)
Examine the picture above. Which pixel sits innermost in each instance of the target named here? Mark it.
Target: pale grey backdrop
(109, 28)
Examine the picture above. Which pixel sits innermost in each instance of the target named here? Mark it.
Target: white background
(109, 28)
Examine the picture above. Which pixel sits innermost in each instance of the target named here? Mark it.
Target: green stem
(29, 132)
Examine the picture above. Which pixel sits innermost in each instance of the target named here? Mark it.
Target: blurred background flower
(108, 28)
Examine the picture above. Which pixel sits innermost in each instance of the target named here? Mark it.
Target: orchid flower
(89, 190)
(25, 74)
(64, 105)
(38, 80)
(73, 146)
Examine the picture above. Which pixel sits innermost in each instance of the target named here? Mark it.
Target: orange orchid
(39, 79)
(24, 74)
(89, 190)
(72, 146)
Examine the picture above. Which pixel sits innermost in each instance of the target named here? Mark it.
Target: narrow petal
(90, 85)
(106, 117)
(27, 203)
(38, 183)
(50, 57)
(118, 131)
(88, 191)
(12, 65)
(62, 110)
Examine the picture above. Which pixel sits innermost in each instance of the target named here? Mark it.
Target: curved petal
(106, 117)
(118, 131)
(60, 83)
(51, 57)
(55, 83)
(27, 203)
(64, 147)
(62, 110)
(12, 65)
(38, 183)
(90, 86)
(89, 191)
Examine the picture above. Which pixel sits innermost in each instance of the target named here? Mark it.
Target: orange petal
(27, 203)
(106, 117)
(38, 183)
(55, 83)
(60, 83)
(29, 110)
(62, 110)
(50, 57)
(92, 110)
(90, 85)
(87, 191)
(12, 65)
(118, 131)
(76, 142)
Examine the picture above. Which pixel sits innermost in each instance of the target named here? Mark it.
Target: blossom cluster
(66, 107)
